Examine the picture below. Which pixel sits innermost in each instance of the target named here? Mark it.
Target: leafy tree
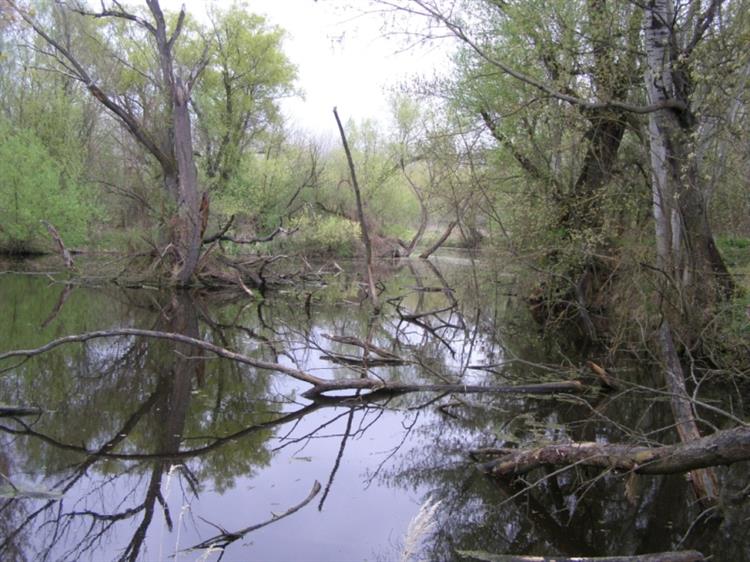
(566, 93)
(34, 188)
(236, 100)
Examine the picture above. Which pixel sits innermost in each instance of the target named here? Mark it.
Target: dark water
(145, 448)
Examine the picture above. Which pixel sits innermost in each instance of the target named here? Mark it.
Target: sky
(343, 59)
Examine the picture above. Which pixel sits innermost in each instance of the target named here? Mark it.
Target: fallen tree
(679, 556)
(721, 448)
(319, 385)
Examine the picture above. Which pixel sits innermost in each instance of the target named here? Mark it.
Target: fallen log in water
(723, 447)
(679, 556)
(705, 482)
(562, 387)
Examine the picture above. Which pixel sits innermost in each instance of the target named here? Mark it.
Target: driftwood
(723, 447)
(680, 556)
(704, 482)
(225, 538)
(64, 252)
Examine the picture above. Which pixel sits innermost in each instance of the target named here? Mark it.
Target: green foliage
(237, 96)
(324, 235)
(260, 188)
(33, 188)
(736, 251)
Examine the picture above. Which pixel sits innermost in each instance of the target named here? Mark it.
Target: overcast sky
(342, 57)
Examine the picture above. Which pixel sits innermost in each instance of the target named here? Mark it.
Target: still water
(143, 449)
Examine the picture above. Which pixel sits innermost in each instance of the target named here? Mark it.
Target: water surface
(145, 448)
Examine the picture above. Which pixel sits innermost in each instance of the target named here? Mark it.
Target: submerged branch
(224, 539)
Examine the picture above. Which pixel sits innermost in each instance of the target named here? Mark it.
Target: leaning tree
(166, 133)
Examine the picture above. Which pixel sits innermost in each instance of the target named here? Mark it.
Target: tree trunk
(429, 251)
(705, 482)
(361, 216)
(175, 152)
(188, 234)
(424, 216)
(686, 251)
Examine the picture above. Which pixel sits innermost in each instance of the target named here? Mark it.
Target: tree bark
(685, 246)
(360, 215)
(188, 238)
(432, 249)
(721, 448)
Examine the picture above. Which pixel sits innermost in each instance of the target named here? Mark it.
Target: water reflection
(156, 446)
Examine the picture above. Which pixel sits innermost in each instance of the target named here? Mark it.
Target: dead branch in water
(225, 538)
(440, 241)
(342, 359)
(723, 447)
(705, 482)
(350, 340)
(680, 556)
(64, 252)
(319, 385)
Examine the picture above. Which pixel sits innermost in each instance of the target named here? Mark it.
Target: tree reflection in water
(137, 434)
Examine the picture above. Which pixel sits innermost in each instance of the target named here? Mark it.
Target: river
(144, 448)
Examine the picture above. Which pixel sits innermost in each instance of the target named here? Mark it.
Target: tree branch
(224, 539)
(431, 10)
(127, 118)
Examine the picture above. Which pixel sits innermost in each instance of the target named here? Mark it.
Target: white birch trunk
(660, 88)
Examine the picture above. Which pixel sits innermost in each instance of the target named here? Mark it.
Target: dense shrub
(34, 189)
